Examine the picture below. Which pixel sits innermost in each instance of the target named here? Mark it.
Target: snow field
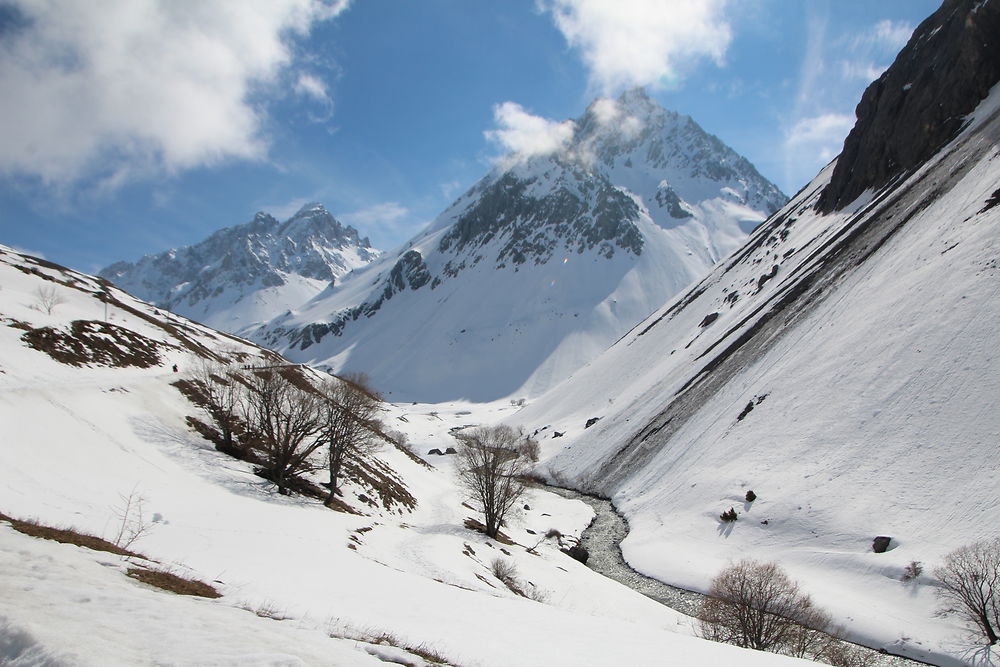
(77, 441)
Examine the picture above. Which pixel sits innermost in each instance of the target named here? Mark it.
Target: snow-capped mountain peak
(548, 257)
(244, 274)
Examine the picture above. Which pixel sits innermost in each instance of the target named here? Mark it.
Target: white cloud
(311, 86)
(384, 215)
(114, 88)
(870, 51)
(288, 209)
(525, 135)
(887, 36)
(450, 189)
(812, 142)
(607, 111)
(861, 70)
(641, 42)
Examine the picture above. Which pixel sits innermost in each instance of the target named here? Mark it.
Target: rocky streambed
(603, 539)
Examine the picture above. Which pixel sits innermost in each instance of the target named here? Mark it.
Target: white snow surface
(874, 410)
(76, 440)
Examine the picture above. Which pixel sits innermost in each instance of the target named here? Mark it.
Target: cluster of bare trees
(288, 425)
(756, 605)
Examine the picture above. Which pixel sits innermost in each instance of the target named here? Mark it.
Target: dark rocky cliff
(919, 103)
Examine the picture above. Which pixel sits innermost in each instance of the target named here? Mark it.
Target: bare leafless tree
(755, 605)
(47, 298)
(491, 470)
(970, 586)
(222, 391)
(350, 425)
(133, 524)
(284, 422)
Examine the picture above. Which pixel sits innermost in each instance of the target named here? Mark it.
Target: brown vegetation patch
(17, 324)
(169, 581)
(95, 342)
(480, 527)
(374, 474)
(66, 536)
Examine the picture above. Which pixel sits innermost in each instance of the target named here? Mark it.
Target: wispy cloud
(834, 71)
(524, 135)
(641, 42)
(819, 138)
(389, 216)
(450, 189)
(288, 209)
(311, 86)
(111, 89)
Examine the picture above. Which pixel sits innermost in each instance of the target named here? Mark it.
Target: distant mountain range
(242, 275)
(541, 264)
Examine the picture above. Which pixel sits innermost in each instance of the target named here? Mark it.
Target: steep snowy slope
(248, 273)
(90, 419)
(844, 365)
(542, 264)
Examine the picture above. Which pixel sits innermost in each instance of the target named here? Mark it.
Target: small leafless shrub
(265, 609)
(844, 654)
(132, 522)
(529, 449)
(912, 571)
(47, 298)
(504, 569)
(553, 533)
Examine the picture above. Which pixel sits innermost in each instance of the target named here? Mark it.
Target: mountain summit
(251, 272)
(542, 263)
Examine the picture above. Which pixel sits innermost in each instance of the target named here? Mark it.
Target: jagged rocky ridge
(582, 242)
(248, 272)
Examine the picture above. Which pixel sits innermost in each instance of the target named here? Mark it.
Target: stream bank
(603, 538)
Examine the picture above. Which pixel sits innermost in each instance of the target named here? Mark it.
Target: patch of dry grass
(66, 536)
(174, 583)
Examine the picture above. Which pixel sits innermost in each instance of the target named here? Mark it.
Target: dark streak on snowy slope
(805, 281)
(806, 275)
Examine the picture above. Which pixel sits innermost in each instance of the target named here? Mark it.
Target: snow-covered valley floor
(77, 441)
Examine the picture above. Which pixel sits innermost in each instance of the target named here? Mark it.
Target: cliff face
(919, 104)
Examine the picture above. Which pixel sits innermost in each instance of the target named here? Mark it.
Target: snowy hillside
(542, 264)
(248, 273)
(91, 419)
(842, 365)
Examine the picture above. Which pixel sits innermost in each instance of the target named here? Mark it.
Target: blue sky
(131, 126)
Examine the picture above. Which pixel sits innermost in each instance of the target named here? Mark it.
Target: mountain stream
(603, 539)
